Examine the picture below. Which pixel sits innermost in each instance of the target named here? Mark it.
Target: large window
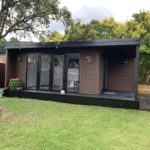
(32, 71)
(73, 73)
(45, 72)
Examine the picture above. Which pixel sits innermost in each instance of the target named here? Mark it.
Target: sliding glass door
(53, 72)
(32, 71)
(58, 69)
(45, 61)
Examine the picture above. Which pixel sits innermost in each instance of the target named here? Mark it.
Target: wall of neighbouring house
(121, 74)
(90, 72)
(2, 75)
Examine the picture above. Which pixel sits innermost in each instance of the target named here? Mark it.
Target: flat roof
(92, 43)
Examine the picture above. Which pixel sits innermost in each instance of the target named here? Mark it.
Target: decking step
(145, 102)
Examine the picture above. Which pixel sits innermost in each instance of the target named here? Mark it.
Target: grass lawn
(27, 124)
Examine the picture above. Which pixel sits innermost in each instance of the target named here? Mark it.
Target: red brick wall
(90, 75)
(121, 75)
(2, 75)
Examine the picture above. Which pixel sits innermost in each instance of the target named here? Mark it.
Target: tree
(143, 19)
(108, 28)
(4, 42)
(139, 27)
(80, 31)
(30, 16)
(75, 31)
(53, 37)
(104, 29)
(13, 40)
(2, 45)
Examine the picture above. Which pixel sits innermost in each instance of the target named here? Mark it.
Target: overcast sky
(86, 10)
(98, 9)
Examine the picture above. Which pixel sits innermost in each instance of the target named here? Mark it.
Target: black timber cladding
(74, 99)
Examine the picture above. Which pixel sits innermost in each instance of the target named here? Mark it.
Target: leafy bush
(14, 84)
(144, 65)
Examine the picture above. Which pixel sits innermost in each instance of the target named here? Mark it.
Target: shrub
(144, 66)
(14, 84)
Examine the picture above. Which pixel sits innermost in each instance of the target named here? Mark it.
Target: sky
(86, 10)
(121, 10)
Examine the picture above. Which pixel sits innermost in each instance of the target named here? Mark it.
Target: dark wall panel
(16, 67)
(121, 74)
(10, 66)
(90, 75)
(21, 68)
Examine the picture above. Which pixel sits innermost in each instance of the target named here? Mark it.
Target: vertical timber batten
(6, 69)
(136, 68)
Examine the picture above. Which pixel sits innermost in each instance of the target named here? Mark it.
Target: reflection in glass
(73, 73)
(58, 64)
(32, 71)
(44, 72)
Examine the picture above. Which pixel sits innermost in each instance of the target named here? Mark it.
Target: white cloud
(121, 10)
(87, 13)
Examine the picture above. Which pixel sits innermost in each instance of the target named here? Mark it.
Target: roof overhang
(75, 44)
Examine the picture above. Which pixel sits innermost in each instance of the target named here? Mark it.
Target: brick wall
(121, 75)
(90, 75)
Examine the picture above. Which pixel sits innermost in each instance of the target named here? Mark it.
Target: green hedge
(144, 66)
(14, 84)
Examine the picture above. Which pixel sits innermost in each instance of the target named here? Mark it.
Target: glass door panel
(73, 73)
(44, 72)
(58, 69)
(32, 71)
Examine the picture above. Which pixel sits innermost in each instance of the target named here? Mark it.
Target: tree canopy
(137, 27)
(53, 37)
(26, 16)
(4, 42)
